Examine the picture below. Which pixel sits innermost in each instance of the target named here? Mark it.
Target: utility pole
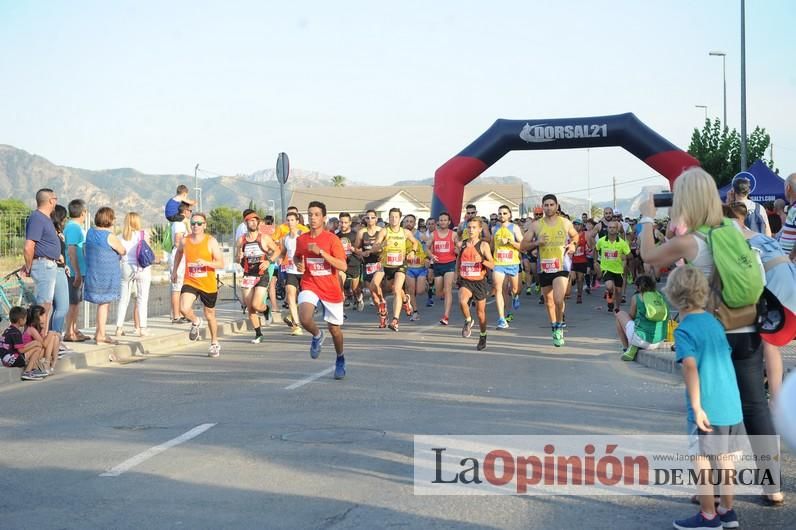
(743, 85)
(588, 177)
(196, 189)
(614, 193)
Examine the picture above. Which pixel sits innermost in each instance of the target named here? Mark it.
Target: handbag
(144, 254)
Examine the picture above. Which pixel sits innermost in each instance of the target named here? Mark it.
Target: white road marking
(310, 379)
(154, 451)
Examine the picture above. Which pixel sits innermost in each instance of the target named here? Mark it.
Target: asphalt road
(333, 454)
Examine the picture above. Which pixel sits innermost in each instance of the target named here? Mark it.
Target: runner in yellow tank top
(391, 242)
(202, 258)
(550, 234)
(506, 241)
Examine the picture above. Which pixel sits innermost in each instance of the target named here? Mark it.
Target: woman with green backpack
(717, 247)
(644, 326)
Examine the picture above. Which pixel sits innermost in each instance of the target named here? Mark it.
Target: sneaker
(597, 284)
(579, 299)
(509, 317)
(541, 300)
(360, 303)
(382, 321)
(32, 375)
(297, 331)
(528, 291)
(176, 321)
(537, 288)
(193, 334)
(698, 522)
(347, 302)
(444, 320)
(214, 350)
(393, 324)
(407, 306)
(729, 519)
(258, 340)
(610, 306)
(481, 342)
(624, 300)
(502, 324)
(415, 317)
(630, 353)
(467, 329)
(339, 367)
(515, 302)
(430, 301)
(383, 307)
(289, 321)
(558, 337)
(315, 347)
(587, 289)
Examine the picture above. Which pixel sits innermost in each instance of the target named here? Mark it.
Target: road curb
(661, 359)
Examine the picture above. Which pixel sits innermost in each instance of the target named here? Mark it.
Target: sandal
(106, 340)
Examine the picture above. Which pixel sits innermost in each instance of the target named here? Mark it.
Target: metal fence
(12, 233)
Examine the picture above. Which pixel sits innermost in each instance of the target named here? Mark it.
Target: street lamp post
(743, 85)
(724, 75)
(196, 187)
(705, 107)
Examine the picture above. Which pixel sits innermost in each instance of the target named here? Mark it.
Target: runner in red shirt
(580, 260)
(319, 256)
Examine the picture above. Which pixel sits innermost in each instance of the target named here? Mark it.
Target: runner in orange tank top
(202, 258)
(474, 259)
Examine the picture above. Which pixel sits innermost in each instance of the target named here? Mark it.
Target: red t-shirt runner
(581, 251)
(319, 275)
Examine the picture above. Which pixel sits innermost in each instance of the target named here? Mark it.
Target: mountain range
(126, 189)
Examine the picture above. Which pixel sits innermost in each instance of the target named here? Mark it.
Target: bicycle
(14, 292)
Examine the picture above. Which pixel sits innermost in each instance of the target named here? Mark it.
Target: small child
(12, 353)
(715, 417)
(172, 205)
(32, 337)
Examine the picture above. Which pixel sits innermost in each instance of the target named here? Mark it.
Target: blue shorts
(416, 273)
(508, 270)
(43, 273)
(440, 269)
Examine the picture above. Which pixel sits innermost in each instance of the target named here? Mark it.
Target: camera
(663, 200)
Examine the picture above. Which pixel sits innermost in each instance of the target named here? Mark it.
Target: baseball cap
(779, 323)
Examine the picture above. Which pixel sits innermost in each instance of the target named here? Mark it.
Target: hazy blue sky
(379, 91)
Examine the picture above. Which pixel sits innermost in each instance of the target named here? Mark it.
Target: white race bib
(196, 271)
(395, 259)
(550, 265)
(372, 268)
(505, 255)
(318, 267)
(249, 281)
(470, 270)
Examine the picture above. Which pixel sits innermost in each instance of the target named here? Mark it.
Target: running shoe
(630, 353)
(537, 288)
(624, 300)
(509, 317)
(289, 321)
(579, 299)
(430, 301)
(444, 320)
(347, 302)
(407, 306)
(383, 307)
(297, 331)
(193, 333)
(502, 324)
(541, 300)
(415, 317)
(214, 350)
(258, 340)
(360, 303)
(382, 321)
(528, 291)
(729, 519)
(515, 302)
(467, 329)
(481, 342)
(315, 346)
(339, 367)
(698, 522)
(558, 337)
(32, 375)
(393, 324)
(587, 289)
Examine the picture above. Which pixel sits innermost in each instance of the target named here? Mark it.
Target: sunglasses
(197, 223)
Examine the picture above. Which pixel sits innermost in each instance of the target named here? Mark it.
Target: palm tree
(338, 181)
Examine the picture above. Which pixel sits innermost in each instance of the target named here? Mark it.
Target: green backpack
(167, 243)
(737, 264)
(655, 307)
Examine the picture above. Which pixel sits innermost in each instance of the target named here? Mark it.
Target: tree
(13, 205)
(221, 221)
(338, 181)
(719, 150)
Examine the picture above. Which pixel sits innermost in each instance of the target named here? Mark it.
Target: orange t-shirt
(200, 277)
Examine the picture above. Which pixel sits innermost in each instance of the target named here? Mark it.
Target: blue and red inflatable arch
(622, 130)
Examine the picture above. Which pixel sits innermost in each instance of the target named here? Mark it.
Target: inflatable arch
(622, 130)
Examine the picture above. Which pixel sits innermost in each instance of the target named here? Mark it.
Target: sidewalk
(164, 339)
(662, 359)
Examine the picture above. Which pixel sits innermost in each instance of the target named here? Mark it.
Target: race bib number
(579, 251)
(414, 261)
(289, 265)
(318, 267)
(372, 268)
(395, 259)
(347, 246)
(249, 281)
(470, 270)
(196, 271)
(551, 265)
(505, 255)
(442, 247)
(611, 254)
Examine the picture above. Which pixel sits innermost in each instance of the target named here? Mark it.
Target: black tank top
(367, 244)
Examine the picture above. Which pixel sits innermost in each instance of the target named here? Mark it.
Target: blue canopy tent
(767, 186)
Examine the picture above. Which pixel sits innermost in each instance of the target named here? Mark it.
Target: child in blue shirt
(715, 417)
(173, 205)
